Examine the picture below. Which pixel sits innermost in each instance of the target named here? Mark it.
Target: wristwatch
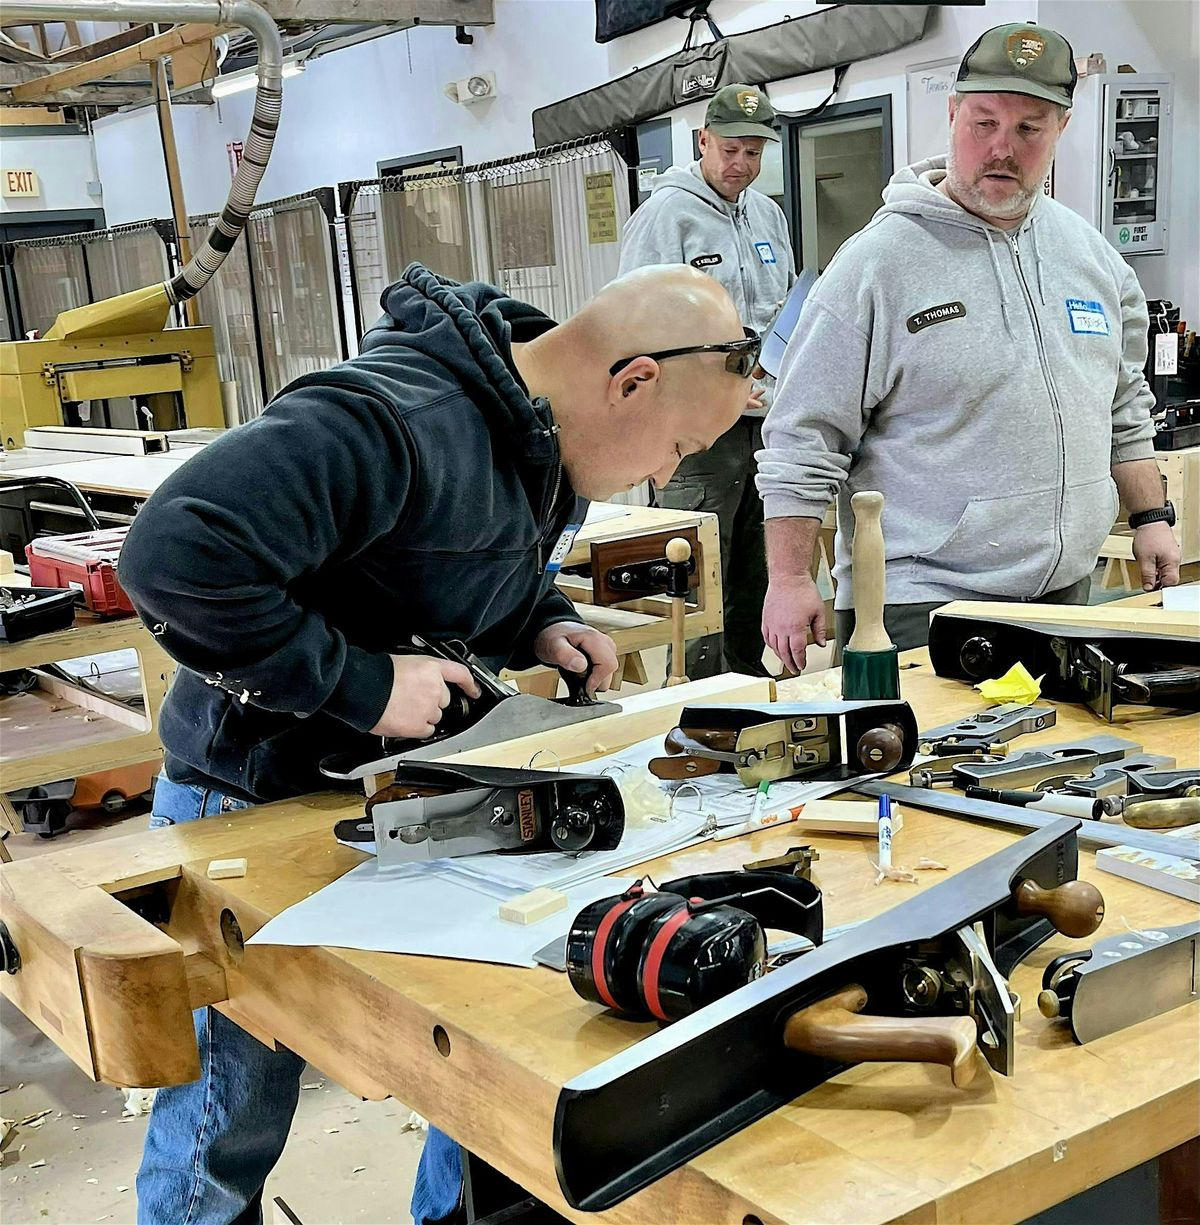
(1160, 514)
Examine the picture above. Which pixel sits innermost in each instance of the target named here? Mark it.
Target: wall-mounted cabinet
(1115, 159)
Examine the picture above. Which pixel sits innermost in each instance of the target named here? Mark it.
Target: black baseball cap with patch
(1020, 59)
(741, 110)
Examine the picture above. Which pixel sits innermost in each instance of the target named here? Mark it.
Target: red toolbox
(86, 563)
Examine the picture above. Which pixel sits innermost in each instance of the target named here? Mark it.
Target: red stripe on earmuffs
(598, 945)
(654, 960)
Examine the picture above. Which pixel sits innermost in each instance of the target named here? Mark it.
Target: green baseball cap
(1019, 59)
(741, 110)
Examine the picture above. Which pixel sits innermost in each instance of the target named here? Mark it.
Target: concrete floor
(91, 1161)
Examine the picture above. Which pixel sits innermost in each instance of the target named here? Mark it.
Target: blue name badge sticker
(563, 547)
(766, 253)
(1087, 318)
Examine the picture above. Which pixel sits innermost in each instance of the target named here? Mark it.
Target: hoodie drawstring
(1037, 258)
(987, 233)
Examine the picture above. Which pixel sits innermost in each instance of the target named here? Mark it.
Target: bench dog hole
(231, 933)
(441, 1039)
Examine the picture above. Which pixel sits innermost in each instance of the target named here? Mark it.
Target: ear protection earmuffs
(662, 955)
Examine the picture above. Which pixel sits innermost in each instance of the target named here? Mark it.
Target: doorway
(838, 163)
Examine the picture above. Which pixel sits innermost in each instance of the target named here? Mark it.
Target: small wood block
(845, 817)
(223, 869)
(533, 907)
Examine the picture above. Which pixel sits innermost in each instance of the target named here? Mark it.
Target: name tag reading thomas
(935, 314)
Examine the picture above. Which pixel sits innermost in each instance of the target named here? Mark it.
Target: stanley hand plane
(777, 740)
(501, 712)
(434, 811)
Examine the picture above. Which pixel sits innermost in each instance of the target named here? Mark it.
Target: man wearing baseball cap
(975, 353)
(707, 215)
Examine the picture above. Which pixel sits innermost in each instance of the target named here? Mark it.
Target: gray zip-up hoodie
(744, 245)
(984, 381)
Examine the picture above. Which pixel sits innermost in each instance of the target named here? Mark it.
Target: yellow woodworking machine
(117, 348)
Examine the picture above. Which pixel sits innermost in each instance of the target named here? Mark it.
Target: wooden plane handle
(832, 1029)
(867, 569)
(682, 768)
(1075, 909)
(699, 740)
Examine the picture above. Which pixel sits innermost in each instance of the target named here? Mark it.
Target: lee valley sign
(21, 183)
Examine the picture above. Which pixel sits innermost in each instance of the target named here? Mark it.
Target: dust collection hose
(268, 101)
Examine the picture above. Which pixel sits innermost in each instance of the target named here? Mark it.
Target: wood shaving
(93, 1181)
(122, 1188)
(31, 1119)
(313, 1084)
(358, 1169)
(929, 865)
(331, 1131)
(37, 1165)
(901, 875)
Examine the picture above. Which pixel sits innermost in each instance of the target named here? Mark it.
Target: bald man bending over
(420, 488)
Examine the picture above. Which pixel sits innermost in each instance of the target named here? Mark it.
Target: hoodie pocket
(1089, 512)
(1000, 546)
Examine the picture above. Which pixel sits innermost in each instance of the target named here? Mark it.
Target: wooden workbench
(60, 731)
(483, 1050)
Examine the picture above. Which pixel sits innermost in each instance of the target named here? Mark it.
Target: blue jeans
(211, 1144)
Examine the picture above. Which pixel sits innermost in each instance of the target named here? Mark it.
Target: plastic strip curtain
(295, 290)
(396, 221)
(555, 224)
(125, 257)
(544, 226)
(51, 278)
(226, 304)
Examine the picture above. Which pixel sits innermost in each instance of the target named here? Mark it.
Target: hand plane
(921, 982)
(501, 712)
(777, 740)
(1124, 979)
(989, 731)
(1042, 769)
(435, 811)
(1102, 668)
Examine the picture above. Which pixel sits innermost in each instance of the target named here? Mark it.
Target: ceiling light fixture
(247, 78)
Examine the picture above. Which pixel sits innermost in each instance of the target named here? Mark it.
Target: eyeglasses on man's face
(741, 356)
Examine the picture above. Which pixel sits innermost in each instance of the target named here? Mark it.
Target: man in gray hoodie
(975, 353)
(707, 215)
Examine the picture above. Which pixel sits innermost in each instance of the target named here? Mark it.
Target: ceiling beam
(415, 12)
(147, 51)
(93, 51)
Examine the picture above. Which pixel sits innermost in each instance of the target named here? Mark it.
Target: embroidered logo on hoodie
(935, 314)
(706, 261)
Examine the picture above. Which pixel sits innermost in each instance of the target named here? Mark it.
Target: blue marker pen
(885, 831)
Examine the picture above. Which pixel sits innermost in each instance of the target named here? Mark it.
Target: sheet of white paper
(396, 910)
(602, 512)
(1182, 599)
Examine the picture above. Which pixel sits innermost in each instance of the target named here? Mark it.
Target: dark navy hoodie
(413, 489)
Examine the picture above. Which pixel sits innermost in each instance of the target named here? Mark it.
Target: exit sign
(21, 183)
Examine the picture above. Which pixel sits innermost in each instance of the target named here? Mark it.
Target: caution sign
(601, 207)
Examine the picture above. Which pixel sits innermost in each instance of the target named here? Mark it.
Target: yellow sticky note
(1016, 685)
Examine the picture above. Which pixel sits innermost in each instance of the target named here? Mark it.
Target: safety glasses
(741, 356)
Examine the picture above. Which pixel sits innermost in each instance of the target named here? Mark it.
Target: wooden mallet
(870, 662)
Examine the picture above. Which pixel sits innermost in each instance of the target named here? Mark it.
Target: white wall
(1154, 36)
(354, 108)
(64, 166)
